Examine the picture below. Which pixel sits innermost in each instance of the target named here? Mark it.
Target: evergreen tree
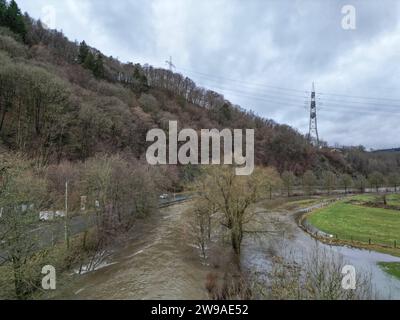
(136, 74)
(89, 62)
(3, 9)
(140, 82)
(144, 83)
(98, 67)
(15, 20)
(83, 52)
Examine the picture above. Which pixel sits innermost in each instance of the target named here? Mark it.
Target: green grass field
(392, 268)
(363, 197)
(359, 223)
(299, 204)
(392, 199)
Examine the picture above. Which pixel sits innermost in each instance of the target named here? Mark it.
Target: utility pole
(66, 231)
(170, 65)
(313, 136)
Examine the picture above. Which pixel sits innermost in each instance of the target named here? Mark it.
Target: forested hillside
(75, 184)
(64, 100)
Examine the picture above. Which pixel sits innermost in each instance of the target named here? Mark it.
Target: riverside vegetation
(68, 113)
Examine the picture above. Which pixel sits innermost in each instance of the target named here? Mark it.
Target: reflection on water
(159, 261)
(299, 244)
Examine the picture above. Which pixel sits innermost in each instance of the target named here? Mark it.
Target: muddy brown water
(160, 262)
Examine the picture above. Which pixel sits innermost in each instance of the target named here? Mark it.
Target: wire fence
(365, 240)
(355, 239)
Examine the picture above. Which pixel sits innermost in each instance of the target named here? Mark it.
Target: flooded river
(290, 238)
(161, 263)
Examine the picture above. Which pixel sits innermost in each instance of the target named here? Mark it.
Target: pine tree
(15, 20)
(136, 74)
(3, 9)
(89, 62)
(98, 67)
(140, 82)
(83, 52)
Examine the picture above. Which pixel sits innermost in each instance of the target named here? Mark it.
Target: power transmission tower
(313, 136)
(170, 64)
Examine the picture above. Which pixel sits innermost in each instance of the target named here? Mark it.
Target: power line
(280, 98)
(358, 97)
(244, 86)
(239, 81)
(279, 95)
(331, 103)
(359, 110)
(276, 98)
(250, 84)
(325, 107)
(363, 103)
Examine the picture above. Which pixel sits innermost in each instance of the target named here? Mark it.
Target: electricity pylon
(313, 136)
(170, 64)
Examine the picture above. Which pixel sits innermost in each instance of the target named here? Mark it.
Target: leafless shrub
(230, 287)
(316, 277)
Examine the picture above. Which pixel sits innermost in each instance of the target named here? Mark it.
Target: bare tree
(202, 216)
(376, 180)
(360, 183)
(309, 182)
(288, 179)
(346, 181)
(316, 276)
(329, 181)
(233, 196)
(394, 180)
(22, 196)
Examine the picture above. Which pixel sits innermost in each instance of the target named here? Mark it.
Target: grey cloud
(283, 43)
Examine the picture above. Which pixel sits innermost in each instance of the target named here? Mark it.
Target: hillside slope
(63, 100)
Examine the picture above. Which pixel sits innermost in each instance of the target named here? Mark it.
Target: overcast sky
(261, 54)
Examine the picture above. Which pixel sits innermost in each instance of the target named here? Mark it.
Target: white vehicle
(51, 215)
(46, 215)
(164, 196)
(60, 214)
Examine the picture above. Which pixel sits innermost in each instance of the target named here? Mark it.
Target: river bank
(286, 237)
(161, 261)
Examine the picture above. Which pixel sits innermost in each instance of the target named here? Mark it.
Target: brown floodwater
(288, 237)
(159, 262)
